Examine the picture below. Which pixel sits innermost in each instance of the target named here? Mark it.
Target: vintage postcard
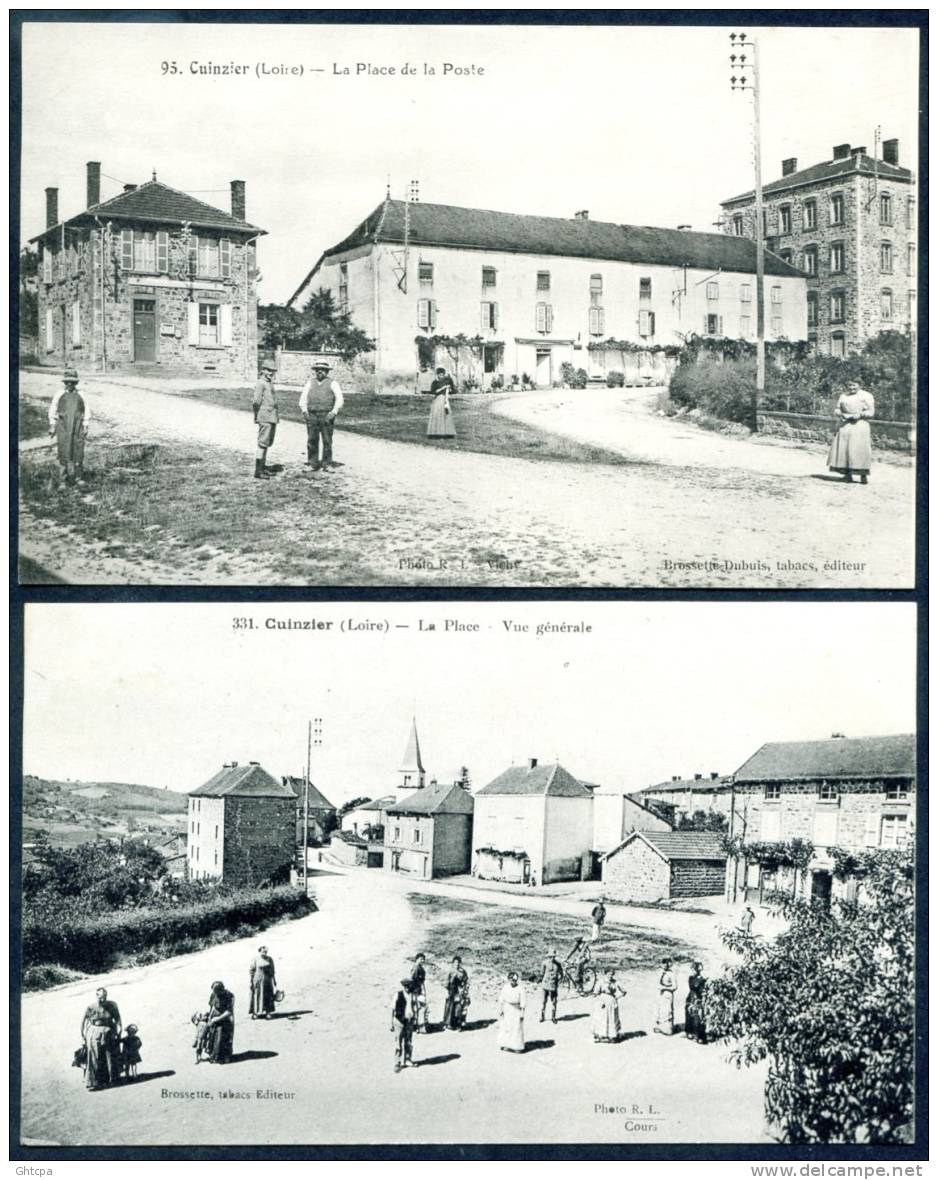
(453, 873)
(417, 305)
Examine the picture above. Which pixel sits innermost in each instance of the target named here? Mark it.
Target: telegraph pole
(313, 738)
(744, 75)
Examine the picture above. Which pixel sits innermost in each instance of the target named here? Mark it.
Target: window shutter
(484, 315)
(224, 323)
(871, 835)
(46, 266)
(50, 329)
(423, 313)
(76, 322)
(706, 327)
(602, 320)
(651, 323)
(494, 315)
(720, 325)
(192, 310)
(127, 249)
(226, 258)
(194, 255)
(162, 251)
(549, 311)
(432, 310)
(540, 317)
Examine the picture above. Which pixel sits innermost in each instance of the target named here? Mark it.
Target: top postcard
(468, 306)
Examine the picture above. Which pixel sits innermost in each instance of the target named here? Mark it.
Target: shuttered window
(646, 323)
(144, 250)
(426, 313)
(713, 325)
(597, 321)
(713, 290)
(489, 315)
(543, 317)
(745, 293)
(776, 294)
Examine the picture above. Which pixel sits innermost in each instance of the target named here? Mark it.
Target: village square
(355, 966)
(465, 396)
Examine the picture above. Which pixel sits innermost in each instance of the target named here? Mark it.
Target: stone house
(152, 280)
(492, 296)
(683, 797)
(850, 225)
(322, 814)
(852, 793)
(429, 833)
(533, 822)
(657, 866)
(241, 827)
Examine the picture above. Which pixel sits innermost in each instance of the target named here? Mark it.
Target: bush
(615, 378)
(572, 377)
(44, 975)
(68, 934)
(724, 390)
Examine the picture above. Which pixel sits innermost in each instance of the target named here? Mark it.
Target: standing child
(130, 1051)
(200, 1044)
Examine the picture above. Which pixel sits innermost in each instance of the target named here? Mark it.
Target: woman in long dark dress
(440, 424)
(695, 1025)
(457, 996)
(263, 984)
(220, 1024)
(100, 1034)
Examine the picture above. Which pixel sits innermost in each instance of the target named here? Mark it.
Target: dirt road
(498, 521)
(322, 1072)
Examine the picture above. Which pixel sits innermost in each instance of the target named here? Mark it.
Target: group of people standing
(410, 1010)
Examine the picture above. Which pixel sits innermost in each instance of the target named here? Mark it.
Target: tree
(29, 297)
(703, 821)
(324, 326)
(830, 1004)
(277, 326)
(352, 804)
(464, 780)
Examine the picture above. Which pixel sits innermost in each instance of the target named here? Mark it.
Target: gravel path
(470, 519)
(332, 1053)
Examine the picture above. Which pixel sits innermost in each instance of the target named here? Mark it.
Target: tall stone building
(152, 280)
(241, 827)
(850, 224)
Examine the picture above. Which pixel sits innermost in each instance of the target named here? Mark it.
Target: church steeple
(413, 777)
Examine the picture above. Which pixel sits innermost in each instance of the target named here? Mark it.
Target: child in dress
(130, 1051)
(200, 1044)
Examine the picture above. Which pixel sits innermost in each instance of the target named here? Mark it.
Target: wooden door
(144, 330)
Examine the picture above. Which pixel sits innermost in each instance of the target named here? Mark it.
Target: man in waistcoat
(320, 402)
(68, 424)
(266, 416)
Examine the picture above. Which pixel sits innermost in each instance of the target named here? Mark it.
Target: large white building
(528, 293)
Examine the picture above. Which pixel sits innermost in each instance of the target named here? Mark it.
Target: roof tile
(863, 757)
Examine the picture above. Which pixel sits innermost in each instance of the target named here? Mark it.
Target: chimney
(129, 188)
(697, 778)
(675, 778)
(582, 215)
(841, 151)
(858, 151)
(94, 183)
(532, 762)
(237, 200)
(683, 227)
(234, 764)
(251, 764)
(837, 735)
(714, 775)
(789, 166)
(890, 151)
(52, 207)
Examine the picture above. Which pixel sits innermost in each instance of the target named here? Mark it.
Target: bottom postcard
(460, 873)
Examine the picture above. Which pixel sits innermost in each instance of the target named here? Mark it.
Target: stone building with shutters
(657, 865)
(152, 280)
(527, 294)
(428, 833)
(852, 793)
(850, 224)
(241, 827)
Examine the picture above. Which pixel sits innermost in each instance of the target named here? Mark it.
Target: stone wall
(259, 839)
(636, 872)
(889, 436)
(295, 368)
(697, 878)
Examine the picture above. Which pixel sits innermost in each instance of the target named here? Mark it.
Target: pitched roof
(316, 798)
(543, 779)
(722, 783)
(861, 165)
(863, 757)
(686, 845)
(436, 799)
(412, 753)
(381, 804)
(522, 233)
(250, 780)
(158, 203)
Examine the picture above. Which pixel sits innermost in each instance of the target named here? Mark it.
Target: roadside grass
(495, 939)
(33, 419)
(186, 508)
(403, 418)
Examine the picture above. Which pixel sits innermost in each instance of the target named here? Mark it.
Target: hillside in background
(69, 813)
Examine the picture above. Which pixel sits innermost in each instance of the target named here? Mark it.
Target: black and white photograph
(468, 305)
(636, 874)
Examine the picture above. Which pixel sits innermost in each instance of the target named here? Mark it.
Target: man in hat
(266, 416)
(402, 1025)
(598, 914)
(320, 401)
(68, 424)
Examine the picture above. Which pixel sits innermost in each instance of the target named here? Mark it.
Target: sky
(637, 125)
(164, 694)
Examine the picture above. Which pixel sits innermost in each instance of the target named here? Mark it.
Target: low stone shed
(657, 866)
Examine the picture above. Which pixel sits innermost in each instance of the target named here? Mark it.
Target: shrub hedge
(72, 937)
